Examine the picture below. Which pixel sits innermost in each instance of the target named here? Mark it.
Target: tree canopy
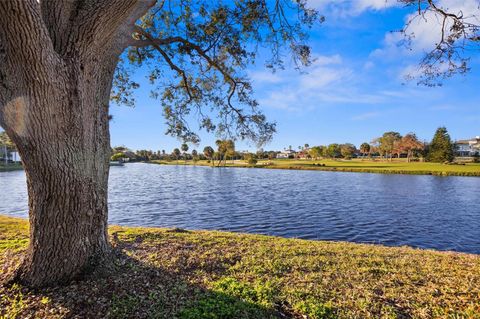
(458, 38)
(441, 147)
(206, 47)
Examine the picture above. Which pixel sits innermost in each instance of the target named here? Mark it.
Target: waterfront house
(464, 148)
(286, 154)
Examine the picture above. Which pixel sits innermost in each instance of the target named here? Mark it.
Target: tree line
(387, 146)
(393, 145)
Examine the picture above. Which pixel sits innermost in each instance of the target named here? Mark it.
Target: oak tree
(62, 60)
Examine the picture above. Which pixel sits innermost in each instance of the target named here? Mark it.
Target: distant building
(286, 154)
(303, 154)
(468, 147)
(11, 155)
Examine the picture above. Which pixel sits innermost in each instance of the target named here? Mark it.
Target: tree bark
(56, 74)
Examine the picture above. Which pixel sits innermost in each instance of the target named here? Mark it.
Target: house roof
(473, 140)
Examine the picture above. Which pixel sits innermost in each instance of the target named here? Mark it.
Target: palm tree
(176, 153)
(224, 148)
(229, 149)
(184, 148)
(208, 152)
(364, 148)
(194, 155)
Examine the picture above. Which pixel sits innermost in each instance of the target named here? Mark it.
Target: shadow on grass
(138, 290)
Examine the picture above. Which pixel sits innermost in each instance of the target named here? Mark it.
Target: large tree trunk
(67, 171)
(56, 70)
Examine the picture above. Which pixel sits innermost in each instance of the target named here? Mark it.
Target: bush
(251, 159)
(476, 157)
(117, 156)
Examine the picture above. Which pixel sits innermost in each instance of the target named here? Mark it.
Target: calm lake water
(421, 211)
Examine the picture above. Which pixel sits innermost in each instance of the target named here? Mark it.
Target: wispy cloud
(365, 116)
(329, 81)
(345, 8)
(424, 33)
(265, 77)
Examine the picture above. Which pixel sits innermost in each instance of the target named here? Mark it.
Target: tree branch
(57, 15)
(21, 26)
(156, 44)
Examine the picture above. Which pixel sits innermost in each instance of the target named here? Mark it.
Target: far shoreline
(413, 168)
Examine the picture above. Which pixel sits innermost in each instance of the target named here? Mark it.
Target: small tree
(251, 158)
(387, 143)
(347, 150)
(315, 152)
(333, 150)
(7, 145)
(441, 147)
(410, 144)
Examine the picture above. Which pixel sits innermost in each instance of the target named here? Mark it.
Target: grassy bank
(357, 165)
(165, 273)
(10, 167)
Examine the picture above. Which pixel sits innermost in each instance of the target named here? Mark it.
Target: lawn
(10, 167)
(173, 273)
(357, 165)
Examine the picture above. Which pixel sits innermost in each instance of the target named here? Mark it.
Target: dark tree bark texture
(57, 60)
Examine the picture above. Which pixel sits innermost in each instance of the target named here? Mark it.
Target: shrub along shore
(174, 273)
(358, 166)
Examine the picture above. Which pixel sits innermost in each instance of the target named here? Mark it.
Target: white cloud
(350, 7)
(264, 77)
(326, 60)
(368, 65)
(328, 81)
(292, 89)
(365, 116)
(425, 31)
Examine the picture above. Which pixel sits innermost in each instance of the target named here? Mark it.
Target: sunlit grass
(356, 165)
(210, 274)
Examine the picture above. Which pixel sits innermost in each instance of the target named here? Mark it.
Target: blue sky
(355, 90)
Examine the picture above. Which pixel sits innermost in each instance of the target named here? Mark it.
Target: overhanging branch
(156, 43)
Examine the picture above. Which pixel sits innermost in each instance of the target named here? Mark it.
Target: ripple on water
(421, 211)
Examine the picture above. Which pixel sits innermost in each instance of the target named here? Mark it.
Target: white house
(468, 147)
(286, 154)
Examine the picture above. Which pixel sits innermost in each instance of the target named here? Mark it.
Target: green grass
(165, 273)
(356, 165)
(10, 167)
